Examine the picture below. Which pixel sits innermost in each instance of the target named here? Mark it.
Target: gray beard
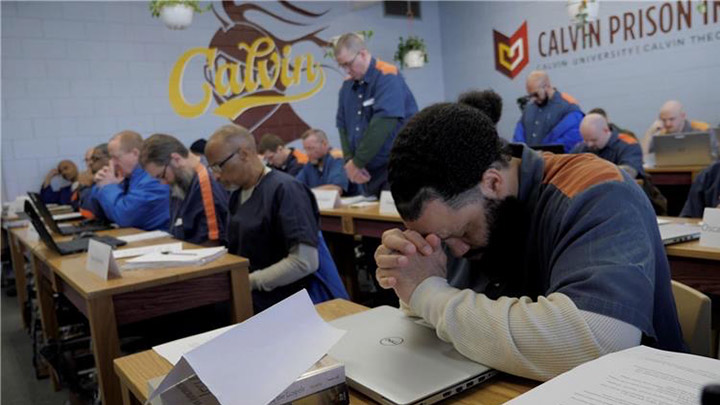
(178, 192)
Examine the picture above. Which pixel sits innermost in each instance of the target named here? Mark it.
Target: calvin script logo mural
(252, 75)
(511, 54)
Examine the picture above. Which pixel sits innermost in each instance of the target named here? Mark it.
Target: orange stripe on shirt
(699, 125)
(208, 202)
(386, 68)
(300, 157)
(573, 174)
(627, 138)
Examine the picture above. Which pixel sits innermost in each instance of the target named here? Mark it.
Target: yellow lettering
(285, 79)
(177, 99)
(265, 80)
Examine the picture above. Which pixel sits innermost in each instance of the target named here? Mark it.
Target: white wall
(74, 73)
(630, 88)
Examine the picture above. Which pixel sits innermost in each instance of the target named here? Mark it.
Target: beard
(183, 179)
(503, 218)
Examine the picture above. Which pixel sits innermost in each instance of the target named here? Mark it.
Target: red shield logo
(511, 54)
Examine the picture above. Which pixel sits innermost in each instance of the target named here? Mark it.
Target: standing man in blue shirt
(201, 212)
(551, 118)
(323, 170)
(374, 104)
(127, 194)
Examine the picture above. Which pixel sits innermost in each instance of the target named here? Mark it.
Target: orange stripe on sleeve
(301, 157)
(208, 202)
(627, 138)
(386, 68)
(573, 174)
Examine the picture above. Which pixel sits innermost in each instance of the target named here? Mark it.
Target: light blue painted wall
(630, 88)
(75, 73)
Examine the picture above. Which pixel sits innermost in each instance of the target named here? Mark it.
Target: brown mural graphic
(280, 119)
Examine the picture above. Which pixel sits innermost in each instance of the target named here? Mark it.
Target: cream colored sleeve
(537, 340)
(301, 261)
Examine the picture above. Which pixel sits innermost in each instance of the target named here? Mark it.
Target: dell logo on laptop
(391, 341)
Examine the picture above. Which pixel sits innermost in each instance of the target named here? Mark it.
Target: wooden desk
(698, 267)
(674, 183)
(673, 175)
(19, 245)
(135, 370)
(365, 221)
(138, 295)
(341, 225)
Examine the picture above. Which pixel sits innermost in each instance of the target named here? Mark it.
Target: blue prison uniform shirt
(586, 230)
(189, 219)
(330, 171)
(381, 93)
(281, 213)
(557, 122)
(621, 149)
(139, 201)
(62, 196)
(704, 192)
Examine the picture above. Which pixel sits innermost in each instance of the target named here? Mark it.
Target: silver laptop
(683, 149)
(395, 359)
(677, 233)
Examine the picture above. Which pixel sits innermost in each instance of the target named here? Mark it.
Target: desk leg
(242, 307)
(48, 316)
(18, 263)
(128, 398)
(106, 347)
(342, 249)
(43, 285)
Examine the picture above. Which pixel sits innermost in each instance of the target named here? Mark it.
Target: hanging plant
(330, 50)
(176, 14)
(411, 52)
(583, 11)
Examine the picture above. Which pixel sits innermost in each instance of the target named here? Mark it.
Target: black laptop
(64, 229)
(69, 247)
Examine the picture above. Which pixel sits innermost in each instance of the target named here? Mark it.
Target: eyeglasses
(217, 167)
(347, 65)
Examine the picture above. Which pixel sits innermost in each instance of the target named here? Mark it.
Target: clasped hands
(107, 175)
(406, 258)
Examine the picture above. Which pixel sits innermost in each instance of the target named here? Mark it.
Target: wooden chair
(693, 309)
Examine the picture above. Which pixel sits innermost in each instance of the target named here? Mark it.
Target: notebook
(394, 359)
(677, 233)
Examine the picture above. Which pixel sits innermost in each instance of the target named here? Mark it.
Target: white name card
(327, 199)
(100, 260)
(387, 204)
(710, 230)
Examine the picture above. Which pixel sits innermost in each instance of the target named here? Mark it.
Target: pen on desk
(179, 253)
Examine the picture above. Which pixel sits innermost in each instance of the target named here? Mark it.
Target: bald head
(68, 170)
(88, 156)
(672, 115)
(232, 137)
(232, 156)
(538, 87)
(595, 131)
(128, 140)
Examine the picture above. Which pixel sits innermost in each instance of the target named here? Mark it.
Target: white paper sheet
(637, 376)
(72, 215)
(173, 351)
(661, 221)
(144, 236)
(256, 360)
(165, 247)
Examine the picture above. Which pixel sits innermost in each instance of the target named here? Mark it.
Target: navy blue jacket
(557, 122)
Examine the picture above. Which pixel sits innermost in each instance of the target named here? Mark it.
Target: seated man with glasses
(96, 158)
(201, 210)
(127, 195)
(273, 221)
(551, 118)
(374, 104)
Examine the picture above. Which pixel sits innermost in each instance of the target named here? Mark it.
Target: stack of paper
(144, 236)
(182, 258)
(358, 200)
